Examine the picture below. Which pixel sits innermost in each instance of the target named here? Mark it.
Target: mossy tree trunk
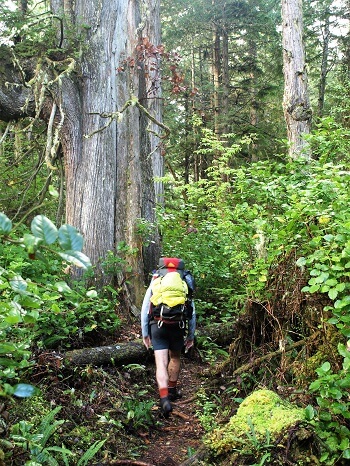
(296, 105)
(110, 149)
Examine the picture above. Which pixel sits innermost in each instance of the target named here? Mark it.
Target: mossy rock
(262, 419)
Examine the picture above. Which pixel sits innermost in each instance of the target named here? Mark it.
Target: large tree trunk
(324, 64)
(296, 103)
(111, 153)
(216, 72)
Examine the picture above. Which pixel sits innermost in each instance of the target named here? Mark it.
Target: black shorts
(167, 336)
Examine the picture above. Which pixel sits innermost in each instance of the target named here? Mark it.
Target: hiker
(164, 324)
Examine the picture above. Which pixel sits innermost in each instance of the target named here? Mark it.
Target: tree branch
(133, 102)
(266, 357)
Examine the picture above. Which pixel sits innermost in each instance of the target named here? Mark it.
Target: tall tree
(100, 102)
(296, 104)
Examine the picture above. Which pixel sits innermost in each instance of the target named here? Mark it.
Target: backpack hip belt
(170, 320)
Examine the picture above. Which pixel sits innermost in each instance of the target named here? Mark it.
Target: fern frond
(90, 453)
(48, 425)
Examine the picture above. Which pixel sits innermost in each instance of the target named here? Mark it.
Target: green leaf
(5, 224)
(340, 287)
(340, 303)
(331, 282)
(301, 262)
(31, 242)
(62, 287)
(333, 293)
(30, 302)
(14, 315)
(7, 348)
(76, 258)
(309, 413)
(31, 317)
(333, 320)
(53, 191)
(343, 351)
(314, 288)
(56, 309)
(322, 277)
(18, 284)
(24, 390)
(326, 366)
(13, 319)
(315, 385)
(69, 238)
(44, 229)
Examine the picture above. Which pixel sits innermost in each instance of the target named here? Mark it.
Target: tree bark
(216, 72)
(296, 105)
(118, 354)
(110, 163)
(324, 64)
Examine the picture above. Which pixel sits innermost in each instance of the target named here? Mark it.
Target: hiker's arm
(144, 313)
(191, 328)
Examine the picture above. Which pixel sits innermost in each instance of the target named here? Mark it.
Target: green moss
(261, 414)
(32, 410)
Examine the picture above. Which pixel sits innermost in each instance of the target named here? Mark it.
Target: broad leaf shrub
(38, 307)
(328, 264)
(333, 413)
(237, 225)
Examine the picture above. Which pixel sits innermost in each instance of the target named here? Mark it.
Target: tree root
(247, 367)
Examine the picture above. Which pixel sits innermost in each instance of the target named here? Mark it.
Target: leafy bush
(234, 227)
(34, 441)
(332, 394)
(37, 305)
(239, 229)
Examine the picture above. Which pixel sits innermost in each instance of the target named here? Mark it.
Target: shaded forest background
(266, 236)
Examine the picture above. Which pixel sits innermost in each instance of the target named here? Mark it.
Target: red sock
(172, 384)
(163, 392)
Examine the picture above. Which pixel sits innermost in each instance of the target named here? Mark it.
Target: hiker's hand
(189, 344)
(147, 342)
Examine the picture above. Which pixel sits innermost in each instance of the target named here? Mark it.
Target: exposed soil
(179, 436)
(88, 394)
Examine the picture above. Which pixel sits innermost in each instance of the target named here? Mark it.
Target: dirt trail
(171, 443)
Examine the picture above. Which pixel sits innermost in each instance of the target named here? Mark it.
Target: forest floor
(121, 405)
(179, 436)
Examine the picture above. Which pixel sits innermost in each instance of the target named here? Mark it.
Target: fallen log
(118, 354)
(135, 351)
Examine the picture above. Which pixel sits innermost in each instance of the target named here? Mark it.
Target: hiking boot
(165, 406)
(174, 394)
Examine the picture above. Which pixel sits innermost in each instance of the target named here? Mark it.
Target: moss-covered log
(135, 351)
(118, 354)
(265, 427)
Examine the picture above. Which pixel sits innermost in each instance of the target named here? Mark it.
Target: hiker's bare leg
(162, 360)
(174, 365)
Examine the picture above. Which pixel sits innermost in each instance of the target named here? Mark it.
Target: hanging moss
(260, 420)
